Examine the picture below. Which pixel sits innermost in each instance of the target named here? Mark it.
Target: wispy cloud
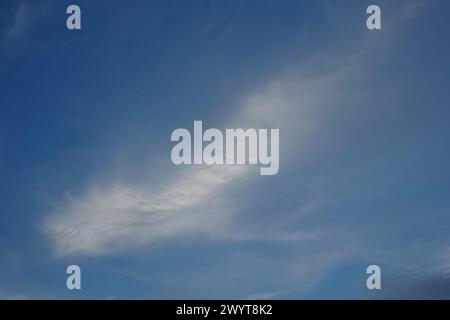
(110, 219)
(309, 99)
(418, 278)
(267, 295)
(21, 21)
(24, 18)
(11, 296)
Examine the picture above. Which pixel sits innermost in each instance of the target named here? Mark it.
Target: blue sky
(86, 175)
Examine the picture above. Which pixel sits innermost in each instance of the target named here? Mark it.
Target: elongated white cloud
(115, 218)
(111, 219)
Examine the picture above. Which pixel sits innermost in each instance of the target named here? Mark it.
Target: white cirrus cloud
(305, 100)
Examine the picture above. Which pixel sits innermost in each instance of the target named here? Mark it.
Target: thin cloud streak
(25, 17)
(107, 220)
(112, 219)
